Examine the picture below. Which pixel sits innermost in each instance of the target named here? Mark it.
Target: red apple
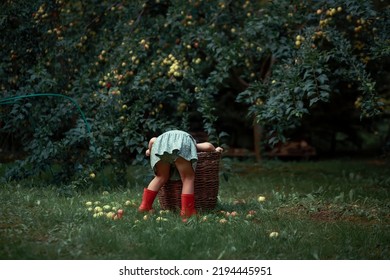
(120, 213)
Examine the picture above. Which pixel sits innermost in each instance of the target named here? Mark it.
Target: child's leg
(161, 177)
(187, 175)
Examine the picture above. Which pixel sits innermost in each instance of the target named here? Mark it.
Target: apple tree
(137, 68)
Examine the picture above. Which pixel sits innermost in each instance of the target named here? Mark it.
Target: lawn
(332, 209)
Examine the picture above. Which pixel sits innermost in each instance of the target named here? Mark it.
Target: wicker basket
(206, 185)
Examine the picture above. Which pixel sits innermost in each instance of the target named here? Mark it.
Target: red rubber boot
(147, 200)
(187, 206)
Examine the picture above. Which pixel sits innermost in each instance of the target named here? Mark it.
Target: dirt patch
(325, 215)
(6, 226)
(333, 213)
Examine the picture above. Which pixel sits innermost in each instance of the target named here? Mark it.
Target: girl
(173, 155)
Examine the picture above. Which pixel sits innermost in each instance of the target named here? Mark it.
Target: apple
(233, 214)
(261, 198)
(110, 215)
(120, 213)
(88, 203)
(274, 234)
(239, 201)
(223, 221)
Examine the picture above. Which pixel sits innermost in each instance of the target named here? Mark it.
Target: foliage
(322, 49)
(137, 68)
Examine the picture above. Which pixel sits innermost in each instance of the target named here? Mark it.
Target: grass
(334, 209)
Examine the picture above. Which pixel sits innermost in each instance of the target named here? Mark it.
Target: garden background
(85, 84)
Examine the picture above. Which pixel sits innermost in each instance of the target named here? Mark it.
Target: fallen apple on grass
(120, 213)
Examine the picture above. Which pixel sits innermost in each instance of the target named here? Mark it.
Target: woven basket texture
(206, 185)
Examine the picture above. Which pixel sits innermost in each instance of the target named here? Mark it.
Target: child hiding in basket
(173, 155)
